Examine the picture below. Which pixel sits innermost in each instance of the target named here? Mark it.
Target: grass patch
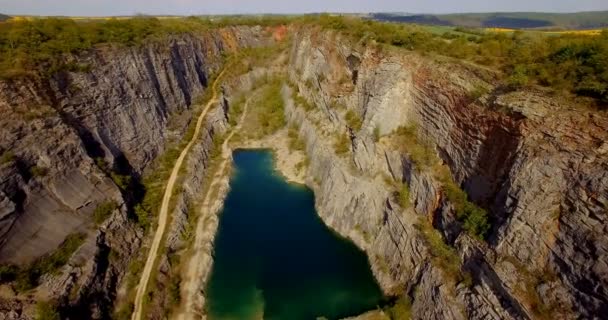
(442, 255)
(421, 154)
(474, 218)
(46, 310)
(404, 196)
(401, 309)
(342, 144)
(104, 211)
(353, 120)
(36, 171)
(28, 277)
(295, 143)
(270, 108)
(7, 157)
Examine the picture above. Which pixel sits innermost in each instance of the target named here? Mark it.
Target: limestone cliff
(63, 137)
(537, 164)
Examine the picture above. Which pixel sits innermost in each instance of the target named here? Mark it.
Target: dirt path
(201, 259)
(164, 209)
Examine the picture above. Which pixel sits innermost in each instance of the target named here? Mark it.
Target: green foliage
(122, 181)
(174, 289)
(301, 101)
(474, 219)
(7, 157)
(103, 211)
(401, 309)
(377, 133)
(37, 171)
(46, 311)
(235, 110)
(443, 256)
(569, 62)
(342, 144)
(421, 154)
(404, 196)
(353, 120)
(28, 277)
(8, 273)
(518, 77)
(477, 92)
(295, 143)
(44, 45)
(124, 312)
(271, 116)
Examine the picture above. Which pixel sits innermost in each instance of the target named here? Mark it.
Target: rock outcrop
(76, 140)
(537, 164)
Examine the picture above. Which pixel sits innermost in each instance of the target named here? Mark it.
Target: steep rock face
(536, 165)
(61, 138)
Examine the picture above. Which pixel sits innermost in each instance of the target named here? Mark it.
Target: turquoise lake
(274, 257)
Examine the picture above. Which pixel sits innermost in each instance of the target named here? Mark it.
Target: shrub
(103, 211)
(474, 219)
(404, 196)
(28, 278)
(174, 289)
(401, 309)
(343, 144)
(8, 273)
(443, 256)
(123, 182)
(271, 106)
(421, 154)
(377, 133)
(295, 143)
(37, 171)
(353, 120)
(7, 157)
(46, 311)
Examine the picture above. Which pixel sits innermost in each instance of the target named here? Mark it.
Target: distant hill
(514, 20)
(4, 17)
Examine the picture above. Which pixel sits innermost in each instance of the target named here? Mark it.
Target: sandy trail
(164, 209)
(201, 259)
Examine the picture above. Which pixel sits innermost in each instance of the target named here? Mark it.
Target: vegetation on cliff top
(30, 46)
(568, 62)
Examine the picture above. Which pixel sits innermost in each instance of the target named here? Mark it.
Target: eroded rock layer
(538, 165)
(77, 140)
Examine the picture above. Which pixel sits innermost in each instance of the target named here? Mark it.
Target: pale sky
(192, 7)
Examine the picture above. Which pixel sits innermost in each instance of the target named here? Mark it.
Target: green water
(274, 257)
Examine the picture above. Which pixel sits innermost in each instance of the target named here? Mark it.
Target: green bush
(576, 63)
(342, 145)
(295, 143)
(474, 219)
(28, 277)
(400, 309)
(271, 116)
(7, 157)
(103, 211)
(353, 120)
(37, 171)
(404, 196)
(443, 256)
(122, 181)
(8, 273)
(174, 289)
(420, 153)
(46, 311)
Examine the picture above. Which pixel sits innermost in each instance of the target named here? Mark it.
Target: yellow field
(593, 32)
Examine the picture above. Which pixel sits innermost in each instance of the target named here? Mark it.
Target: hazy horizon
(195, 7)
